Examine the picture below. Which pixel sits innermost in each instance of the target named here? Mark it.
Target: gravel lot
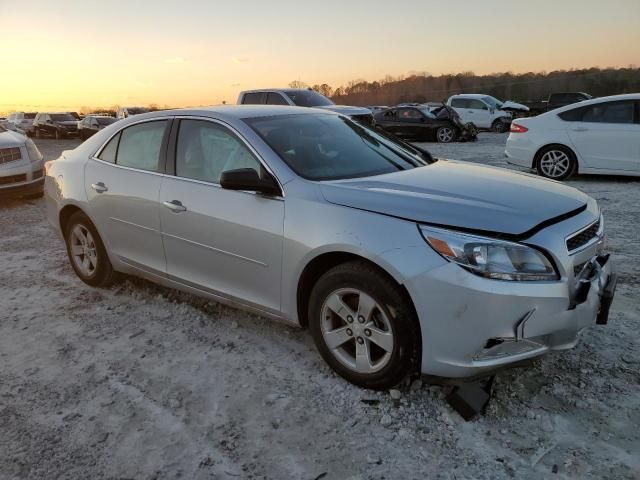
(139, 381)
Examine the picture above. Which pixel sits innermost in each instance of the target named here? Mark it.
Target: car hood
(460, 195)
(514, 106)
(11, 139)
(347, 110)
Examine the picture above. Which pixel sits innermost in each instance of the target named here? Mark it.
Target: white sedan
(599, 136)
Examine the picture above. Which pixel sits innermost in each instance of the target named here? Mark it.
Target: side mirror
(247, 179)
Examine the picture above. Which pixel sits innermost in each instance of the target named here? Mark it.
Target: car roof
(259, 90)
(594, 101)
(472, 95)
(236, 111)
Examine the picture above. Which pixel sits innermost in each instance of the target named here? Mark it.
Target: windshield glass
(308, 98)
(30, 116)
(105, 120)
(2, 129)
(493, 101)
(427, 113)
(62, 117)
(331, 147)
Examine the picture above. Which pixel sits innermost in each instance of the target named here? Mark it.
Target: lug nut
(367, 332)
(350, 319)
(360, 340)
(361, 319)
(349, 332)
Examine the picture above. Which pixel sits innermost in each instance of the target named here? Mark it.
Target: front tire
(86, 252)
(445, 134)
(556, 162)
(364, 326)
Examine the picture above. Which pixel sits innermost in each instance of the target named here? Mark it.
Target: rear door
(123, 187)
(606, 135)
(223, 241)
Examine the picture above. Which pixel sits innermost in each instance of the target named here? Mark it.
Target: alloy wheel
(83, 250)
(555, 163)
(445, 134)
(357, 330)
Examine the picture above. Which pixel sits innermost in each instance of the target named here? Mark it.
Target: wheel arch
(322, 263)
(65, 214)
(541, 150)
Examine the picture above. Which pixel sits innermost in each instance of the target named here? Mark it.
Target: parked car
(302, 97)
(126, 112)
(396, 265)
(91, 124)
(481, 110)
(600, 136)
(21, 172)
(10, 126)
(557, 100)
(416, 123)
(23, 121)
(58, 125)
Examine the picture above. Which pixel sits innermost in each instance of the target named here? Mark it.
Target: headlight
(490, 258)
(32, 150)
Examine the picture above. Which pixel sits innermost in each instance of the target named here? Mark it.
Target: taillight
(515, 128)
(47, 166)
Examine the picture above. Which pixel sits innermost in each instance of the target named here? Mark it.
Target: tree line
(507, 86)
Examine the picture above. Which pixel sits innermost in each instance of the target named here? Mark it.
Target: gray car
(396, 263)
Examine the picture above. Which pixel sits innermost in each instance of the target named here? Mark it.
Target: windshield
(105, 120)
(62, 117)
(426, 112)
(331, 147)
(2, 129)
(30, 116)
(493, 101)
(308, 98)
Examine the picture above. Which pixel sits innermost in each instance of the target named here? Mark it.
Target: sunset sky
(65, 54)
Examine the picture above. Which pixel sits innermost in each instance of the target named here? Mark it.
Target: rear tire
(86, 252)
(556, 162)
(373, 340)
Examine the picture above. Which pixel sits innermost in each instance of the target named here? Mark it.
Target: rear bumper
(30, 188)
(519, 150)
(479, 325)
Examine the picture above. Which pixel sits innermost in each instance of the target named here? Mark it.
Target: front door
(229, 242)
(606, 136)
(123, 188)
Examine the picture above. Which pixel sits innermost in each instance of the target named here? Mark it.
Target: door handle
(99, 187)
(175, 206)
(580, 129)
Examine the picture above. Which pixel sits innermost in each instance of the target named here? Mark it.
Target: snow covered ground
(139, 381)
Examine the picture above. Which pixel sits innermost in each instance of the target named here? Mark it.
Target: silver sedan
(396, 263)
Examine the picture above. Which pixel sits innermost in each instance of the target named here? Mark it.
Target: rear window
(308, 98)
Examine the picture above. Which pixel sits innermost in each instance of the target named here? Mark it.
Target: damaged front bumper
(480, 325)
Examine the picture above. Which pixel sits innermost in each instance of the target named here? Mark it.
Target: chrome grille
(13, 179)
(583, 237)
(9, 154)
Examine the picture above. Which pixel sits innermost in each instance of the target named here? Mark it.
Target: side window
(459, 103)
(205, 150)
(607, 112)
(389, 114)
(409, 114)
(476, 104)
(140, 144)
(255, 98)
(275, 99)
(108, 153)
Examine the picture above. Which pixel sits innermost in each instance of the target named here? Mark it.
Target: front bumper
(34, 187)
(478, 325)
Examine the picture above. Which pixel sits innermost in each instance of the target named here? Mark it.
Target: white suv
(481, 110)
(23, 121)
(21, 165)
